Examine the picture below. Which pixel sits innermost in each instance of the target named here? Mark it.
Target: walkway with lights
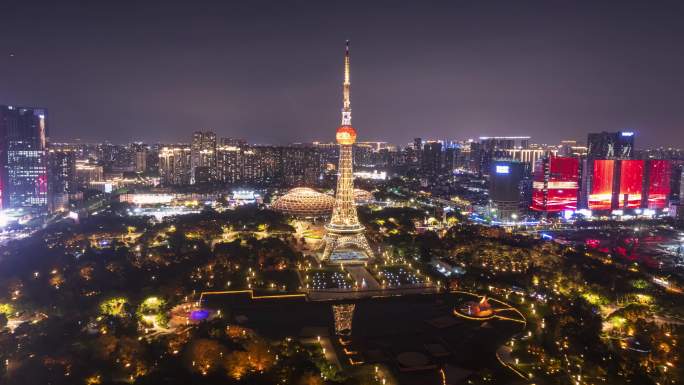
(327, 348)
(362, 276)
(330, 295)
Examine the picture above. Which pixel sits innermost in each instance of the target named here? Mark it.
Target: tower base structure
(349, 248)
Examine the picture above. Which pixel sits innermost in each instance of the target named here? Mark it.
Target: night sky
(271, 72)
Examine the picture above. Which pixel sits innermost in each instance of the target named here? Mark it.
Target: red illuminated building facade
(659, 184)
(601, 189)
(612, 184)
(555, 186)
(629, 184)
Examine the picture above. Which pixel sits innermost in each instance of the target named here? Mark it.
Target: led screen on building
(631, 183)
(659, 183)
(601, 192)
(562, 185)
(555, 185)
(539, 186)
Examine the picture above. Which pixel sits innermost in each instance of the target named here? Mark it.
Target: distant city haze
(271, 72)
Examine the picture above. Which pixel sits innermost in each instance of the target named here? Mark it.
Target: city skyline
(115, 75)
(180, 202)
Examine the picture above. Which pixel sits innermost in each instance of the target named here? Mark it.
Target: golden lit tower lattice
(343, 315)
(345, 241)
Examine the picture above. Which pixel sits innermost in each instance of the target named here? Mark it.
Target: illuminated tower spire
(346, 109)
(345, 241)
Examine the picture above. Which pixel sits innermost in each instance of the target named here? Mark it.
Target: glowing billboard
(555, 185)
(601, 192)
(631, 183)
(539, 186)
(563, 184)
(659, 183)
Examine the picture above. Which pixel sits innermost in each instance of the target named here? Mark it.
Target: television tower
(345, 241)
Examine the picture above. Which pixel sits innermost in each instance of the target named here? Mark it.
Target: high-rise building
(61, 178)
(140, 155)
(329, 154)
(555, 184)
(489, 148)
(431, 158)
(413, 152)
(345, 241)
(229, 164)
(301, 166)
(631, 184)
(152, 159)
(679, 172)
(506, 188)
(597, 183)
(117, 158)
(658, 187)
(570, 148)
(88, 172)
(266, 163)
(362, 154)
(529, 155)
(234, 142)
(610, 145)
(451, 159)
(174, 165)
(23, 157)
(619, 184)
(417, 144)
(203, 157)
(297, 165)
(602, 186)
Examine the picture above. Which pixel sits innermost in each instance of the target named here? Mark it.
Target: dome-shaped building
(304, 202)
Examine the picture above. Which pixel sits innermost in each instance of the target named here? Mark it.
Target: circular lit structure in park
(479, 309)
(304, 202)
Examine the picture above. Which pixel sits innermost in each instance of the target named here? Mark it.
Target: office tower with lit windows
(507, 189)
(203, 157)
(23, 157)
(345, 241)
